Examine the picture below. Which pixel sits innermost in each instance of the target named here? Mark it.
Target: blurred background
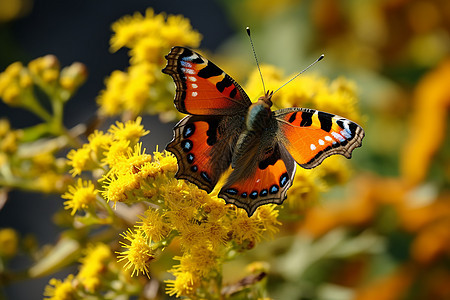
(386, 233)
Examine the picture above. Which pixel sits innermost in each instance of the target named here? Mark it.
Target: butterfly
(263, 147)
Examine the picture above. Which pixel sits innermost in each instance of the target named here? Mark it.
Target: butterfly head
(266, 99)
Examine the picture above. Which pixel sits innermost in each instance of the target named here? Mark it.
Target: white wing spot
(194, 94)
(321, 142)
(194, 85)
(186, 64)
(313, 147)
(338, 136)
(346, 134)
(192, 78)
(328, 138)
(192, 57)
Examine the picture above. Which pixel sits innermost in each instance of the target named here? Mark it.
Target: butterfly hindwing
(202, 148)
(310, 136)
(262, 175)
(202, 88)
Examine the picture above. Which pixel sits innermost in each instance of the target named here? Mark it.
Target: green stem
(33, 105)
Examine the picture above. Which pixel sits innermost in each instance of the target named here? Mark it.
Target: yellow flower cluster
(112, 149)
(27, 161)
(311, 91)
(149, 37)
(17, 82)
(9, 242)
(98, 268)
(207, 230)
(203, 223)
(106, 148)
(27, 165)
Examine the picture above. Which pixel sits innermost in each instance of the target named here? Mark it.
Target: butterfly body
(225, 129)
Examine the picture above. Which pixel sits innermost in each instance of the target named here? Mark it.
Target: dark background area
(80, 31)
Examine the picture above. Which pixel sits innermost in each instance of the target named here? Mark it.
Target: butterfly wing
(262, 175)
(310, 136)
(217, 104)
(203, 148)
(202, 88)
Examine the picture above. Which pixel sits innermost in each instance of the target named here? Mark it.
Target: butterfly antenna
(256, 58)
(304, 70)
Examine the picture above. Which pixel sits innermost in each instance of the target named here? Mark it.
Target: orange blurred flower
(428, 124)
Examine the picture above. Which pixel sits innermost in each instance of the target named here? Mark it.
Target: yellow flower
(81, 196)
(93, 265)
(138, 253)
(129, 29)
(191, 234)
(245, 229)
(50, 181)
(147, 50)
(136, 93)
(200, 259)
(272, 78)
(340, 98)
(10, 142)
(9, 242)
(267, 217)
(5, 127)
(10, 10)
(60, 290)
(45, 70)
(130, 131)
(304, 191)
(184, 284)
(15, 84)
(98, 142)
(215, 233)
(132, 162)
(80, 160)
(73, 76)
(178, 31)
(334, 170)
(121, 188)
(153, 224)
(111, 99)
(115, 152)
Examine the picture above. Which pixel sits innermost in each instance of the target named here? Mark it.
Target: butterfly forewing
(310, 136)
(202, 88)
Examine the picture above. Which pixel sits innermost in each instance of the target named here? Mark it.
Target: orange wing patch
(267, 184)
(311, 136)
